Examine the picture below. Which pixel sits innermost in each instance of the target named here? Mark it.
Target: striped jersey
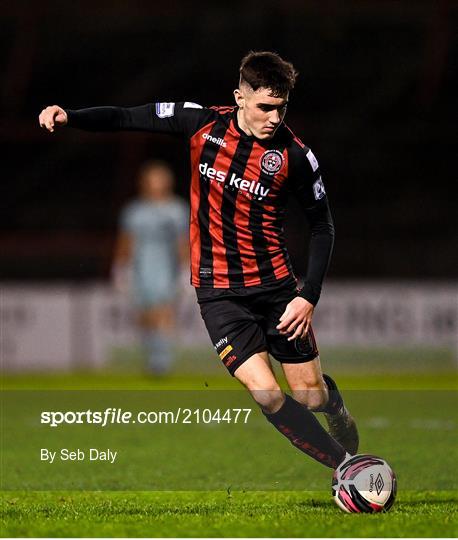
(238, 191)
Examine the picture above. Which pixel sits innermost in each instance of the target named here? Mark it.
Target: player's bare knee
(314, 398)
(270, 400)
(317, 399)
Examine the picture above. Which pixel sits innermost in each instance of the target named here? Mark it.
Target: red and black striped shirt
(239, 189)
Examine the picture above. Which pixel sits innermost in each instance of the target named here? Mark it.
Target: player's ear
(239, 99)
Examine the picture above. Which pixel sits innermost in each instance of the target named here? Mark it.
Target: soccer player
(150, 246)
(244, 162)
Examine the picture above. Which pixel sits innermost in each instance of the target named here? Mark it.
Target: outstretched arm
(180, 118)
(99, 118)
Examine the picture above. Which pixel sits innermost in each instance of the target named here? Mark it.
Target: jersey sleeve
(308, 187)
(305, 177)
(182, 118)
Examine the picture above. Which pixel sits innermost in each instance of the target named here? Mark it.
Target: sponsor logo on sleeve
(271, 161)
(191, 105)
(312, 160)
(318, 189)
(165, 110)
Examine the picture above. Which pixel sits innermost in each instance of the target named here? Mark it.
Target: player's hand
(296, 318)
(51, 117)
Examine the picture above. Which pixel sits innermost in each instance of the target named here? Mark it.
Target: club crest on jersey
(271, 161)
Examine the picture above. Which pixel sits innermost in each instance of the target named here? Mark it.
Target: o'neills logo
(215, 140)
(250, 186)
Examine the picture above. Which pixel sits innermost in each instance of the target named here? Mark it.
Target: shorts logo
(271, 161)
(222, 341)
(165, 110)
(303, 345)
(230, 360)
(318, 189)
(225, 352)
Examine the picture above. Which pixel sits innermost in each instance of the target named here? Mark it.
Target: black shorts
(243, 321)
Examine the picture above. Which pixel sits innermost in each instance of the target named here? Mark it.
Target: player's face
(156, 184)
(259, 112)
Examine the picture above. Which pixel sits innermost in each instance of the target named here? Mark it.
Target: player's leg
(307, 384)
(257, 376)
(319, 393)
(301, 364)
(288, 416)
(240, 343)
(157, 325)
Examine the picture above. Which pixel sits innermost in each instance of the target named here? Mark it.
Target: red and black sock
(304, 431)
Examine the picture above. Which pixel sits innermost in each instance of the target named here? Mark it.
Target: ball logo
(379, 484)
(271, 161)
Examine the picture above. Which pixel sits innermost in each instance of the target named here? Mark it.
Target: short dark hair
(265, 69)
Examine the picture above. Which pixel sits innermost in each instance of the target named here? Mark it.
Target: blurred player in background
(244, 162)
(151, 247)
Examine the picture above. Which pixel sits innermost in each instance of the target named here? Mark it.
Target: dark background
(375, 101)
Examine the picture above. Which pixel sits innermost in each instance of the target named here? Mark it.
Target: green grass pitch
(273, 492)
(220, 514)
